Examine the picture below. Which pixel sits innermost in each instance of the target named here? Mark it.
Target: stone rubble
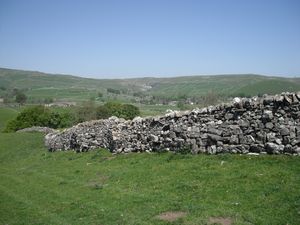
(45, 130)
(270, 124)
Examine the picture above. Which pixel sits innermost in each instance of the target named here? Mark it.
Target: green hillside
(270, 86)
(42, 85)
(224, 85)
(66, 87)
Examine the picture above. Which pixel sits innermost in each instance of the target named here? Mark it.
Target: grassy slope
(272, 86)
(225, 85)
(7, 114)
(66, 87)
(37, 187)
(43, 85)
(32, 79)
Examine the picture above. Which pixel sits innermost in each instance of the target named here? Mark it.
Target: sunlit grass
(38, 187)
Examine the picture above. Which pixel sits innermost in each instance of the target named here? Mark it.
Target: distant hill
(228, 85)
(42, 85)
(67, 87)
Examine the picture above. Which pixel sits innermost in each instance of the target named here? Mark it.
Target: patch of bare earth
(171, 215)
(220, 220)
(97, 183)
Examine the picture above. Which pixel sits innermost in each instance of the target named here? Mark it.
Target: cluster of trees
(46, 117)
(39, 116)
(114, 91)
(14, 95)
(89, 111)
(21, 98)
(126, 111)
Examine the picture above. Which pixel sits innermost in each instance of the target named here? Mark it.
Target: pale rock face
(270, 124)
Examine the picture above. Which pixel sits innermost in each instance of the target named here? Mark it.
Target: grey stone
(256, 125)
(153, 138)
(269, 125)
(278, 141)
(256, 148)
(284, 131)
(268, 114)
(234, 139)
(211, 149)
(261, 137)
(268, 100)
(288, 148)
(271, 137)
(253, 153)
(214, 131)
(272, 148)
(229, 116)
(249, 139)
(286, 140)
(214, 137)
(244, 123)
(288, 100)
(297, 95)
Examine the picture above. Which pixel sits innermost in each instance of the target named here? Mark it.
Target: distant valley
(40, 86)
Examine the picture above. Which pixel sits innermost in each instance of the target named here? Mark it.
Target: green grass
(272, 86)
(67, 93)
(7, 114)
(223, 85)
(38, 187)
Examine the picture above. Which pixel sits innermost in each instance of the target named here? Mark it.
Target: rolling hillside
(67, 87)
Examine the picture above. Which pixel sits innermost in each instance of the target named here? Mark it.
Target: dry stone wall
(270, 124)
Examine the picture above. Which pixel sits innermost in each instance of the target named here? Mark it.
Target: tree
(102, 112)
(21, 98)
(130, 111)
(114, 91)
(48, 100)
(125, 111)
(39, 116)
(86, 111)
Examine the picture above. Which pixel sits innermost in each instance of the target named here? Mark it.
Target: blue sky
(110, 39)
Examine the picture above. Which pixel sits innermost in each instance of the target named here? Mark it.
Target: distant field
(63, 87)
(272, 86)
(228, 85)
(70, 94)
(38, 187)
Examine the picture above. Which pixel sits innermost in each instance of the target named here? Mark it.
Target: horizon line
(149, 76)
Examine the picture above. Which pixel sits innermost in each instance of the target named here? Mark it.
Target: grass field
(7, 114)
(38, 187)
